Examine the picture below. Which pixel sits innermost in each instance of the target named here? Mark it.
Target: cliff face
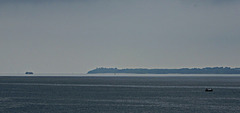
(207, 70)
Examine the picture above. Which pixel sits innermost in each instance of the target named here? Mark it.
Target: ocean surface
(119, 94)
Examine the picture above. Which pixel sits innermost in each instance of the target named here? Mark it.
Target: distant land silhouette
(206, 70)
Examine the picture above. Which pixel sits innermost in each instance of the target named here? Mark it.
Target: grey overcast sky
(80, 35)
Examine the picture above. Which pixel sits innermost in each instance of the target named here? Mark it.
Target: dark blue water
(185, 94)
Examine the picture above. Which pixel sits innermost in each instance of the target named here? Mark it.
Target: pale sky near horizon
(75, 36)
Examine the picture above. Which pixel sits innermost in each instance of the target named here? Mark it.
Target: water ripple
(121, 86)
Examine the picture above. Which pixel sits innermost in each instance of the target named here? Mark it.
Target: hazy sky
(80, 35)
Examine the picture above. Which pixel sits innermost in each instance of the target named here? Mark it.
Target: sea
(125, 93)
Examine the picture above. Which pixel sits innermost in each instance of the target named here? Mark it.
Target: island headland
(206, 70)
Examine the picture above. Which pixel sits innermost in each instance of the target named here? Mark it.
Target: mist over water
(76, 36)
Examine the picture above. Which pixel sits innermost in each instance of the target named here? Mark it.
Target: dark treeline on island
(207, 70)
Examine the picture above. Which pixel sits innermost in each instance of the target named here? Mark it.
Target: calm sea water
(119, 94)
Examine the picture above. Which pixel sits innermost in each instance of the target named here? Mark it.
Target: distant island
(206, 70)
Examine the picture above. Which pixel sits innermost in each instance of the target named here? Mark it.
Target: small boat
(29, 73)
(208, 89)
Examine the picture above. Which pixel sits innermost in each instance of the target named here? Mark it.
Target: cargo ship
(28, 73)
